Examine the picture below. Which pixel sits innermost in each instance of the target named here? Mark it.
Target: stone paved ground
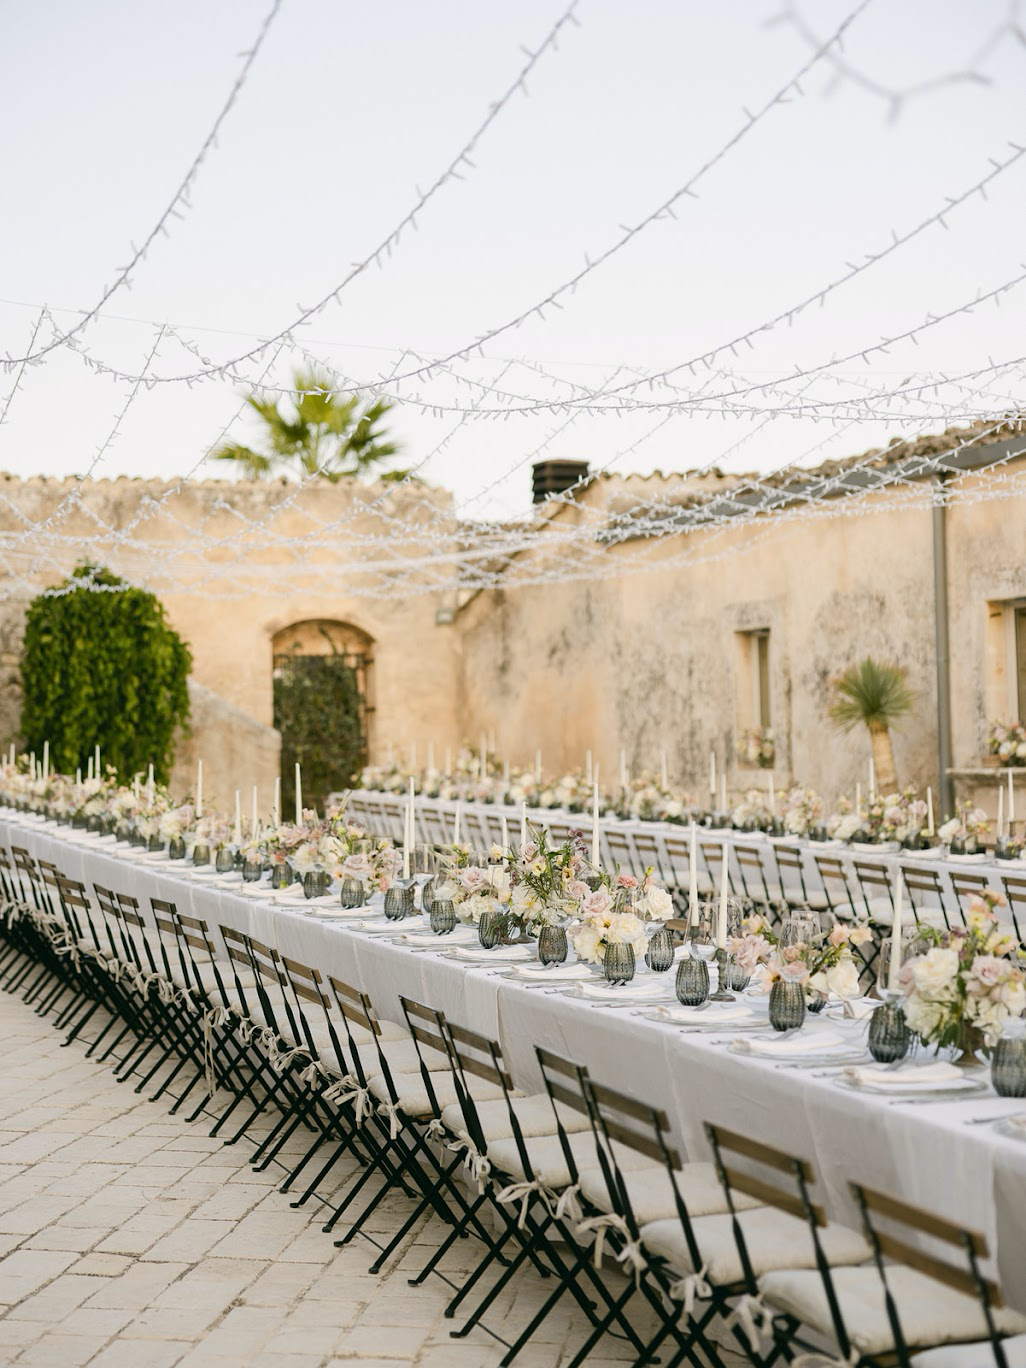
(129, 1239)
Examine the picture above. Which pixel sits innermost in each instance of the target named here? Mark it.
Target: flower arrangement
(968, 984)
(824, 965)
(471, 889)
(753, 812)
(757, 747)
(803, 808)
(1007, 740)
(969, 825)
(546, 882)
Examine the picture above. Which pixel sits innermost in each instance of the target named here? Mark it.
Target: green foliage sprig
(101, 666)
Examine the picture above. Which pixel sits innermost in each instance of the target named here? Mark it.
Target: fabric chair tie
(349, 1089)
(478, 1166)
(690, 1288)
(632, 1256)
(599, 1226)
(311, 1075)
(747, 1314)
(436, 1131)
(568, 1207)
(522, 1193)
(395, 1120)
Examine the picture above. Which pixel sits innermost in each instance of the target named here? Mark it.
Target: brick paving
(129, 1238)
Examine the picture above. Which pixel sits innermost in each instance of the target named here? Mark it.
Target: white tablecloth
(924, 1153)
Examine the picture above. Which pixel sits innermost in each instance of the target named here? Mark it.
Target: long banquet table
(636, 844)
(924, 1151)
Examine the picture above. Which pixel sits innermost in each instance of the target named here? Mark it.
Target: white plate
(849, 1054)
(978, 858)
(932, 853)
(875, 847)
(1007, 1126)
(967, 1088)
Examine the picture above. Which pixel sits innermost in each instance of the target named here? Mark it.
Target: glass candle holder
(442, 916)
(618, 963)
(786, 1005)
(490, 929)
(252, 870)
(398, 901)
(315, 883)
(281, 875)
(224, 861)
(815, 1001)
(1008, 1066)
(692, 983)
(736, 979)
(427, 893)
(201, 854)
(889, 1036)
(352, 893)
(659, 954)
(176, 849)
(552, 944)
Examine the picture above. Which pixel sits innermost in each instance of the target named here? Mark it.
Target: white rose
(659, 904)
(935, 973)
(586, 940)
(843, 979)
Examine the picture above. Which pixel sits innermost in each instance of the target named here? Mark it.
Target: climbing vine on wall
(106, 669)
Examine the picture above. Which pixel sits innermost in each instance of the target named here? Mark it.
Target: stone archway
(323, 706)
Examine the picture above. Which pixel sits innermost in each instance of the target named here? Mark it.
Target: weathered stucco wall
(237, 753)
(230, 623)
(651, 658)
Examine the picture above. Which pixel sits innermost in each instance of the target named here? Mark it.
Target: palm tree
(320, 433)
(876, 695)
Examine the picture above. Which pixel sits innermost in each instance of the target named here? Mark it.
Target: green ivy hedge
(101, 666)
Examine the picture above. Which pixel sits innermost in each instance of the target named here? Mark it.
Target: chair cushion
(548, 1161)
(651, 1193)
(774, 1239)
(402, 1057)
(972, 1355)
(413, 1095)
(929, 1311)
(534, 1115)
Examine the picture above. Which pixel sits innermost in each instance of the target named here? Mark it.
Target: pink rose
(597, 904)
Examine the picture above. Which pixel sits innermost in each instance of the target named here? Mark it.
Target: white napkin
(802, 1042)
(421, 941)
(860, 1009)
(260, 891)
(372, 924)
(625, 992)
(540, 973)
(501, 953)
(925, 1076)
(705, 1016)
(1016, 1122)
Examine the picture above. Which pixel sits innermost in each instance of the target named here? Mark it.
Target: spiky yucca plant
(877, 696)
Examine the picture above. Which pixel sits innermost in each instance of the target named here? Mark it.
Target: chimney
(553, 477)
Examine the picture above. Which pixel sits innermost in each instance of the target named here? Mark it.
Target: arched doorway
(322, 703)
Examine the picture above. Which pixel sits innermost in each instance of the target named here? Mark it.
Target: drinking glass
(398, 901)
(352, 893)
(201, 854)
(252, 869)
(618, 963)
(889, 1036)
(281, 875)
(552, 944)
(442, 916)
(692, 984)
(786, 1005)
(224, 861)
(659, 954)
(1008, 1062)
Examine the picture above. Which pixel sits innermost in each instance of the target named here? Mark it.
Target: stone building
(704, 607)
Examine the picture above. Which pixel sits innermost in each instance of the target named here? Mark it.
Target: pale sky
(348, 107)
